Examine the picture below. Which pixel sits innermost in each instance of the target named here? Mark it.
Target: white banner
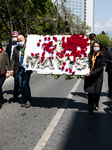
(57, 54)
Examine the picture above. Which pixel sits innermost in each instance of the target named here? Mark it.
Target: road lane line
(46, 135)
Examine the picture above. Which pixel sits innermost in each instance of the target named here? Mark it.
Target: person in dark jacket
(23, 75)
(94, 79)
(109, 70)
(9, 50)
(4, 71)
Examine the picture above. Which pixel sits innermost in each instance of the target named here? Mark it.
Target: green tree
(27, 17)
(104, 39)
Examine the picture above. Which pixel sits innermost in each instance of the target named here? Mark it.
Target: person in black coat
(109, 70)
(9, 50)
(94, 79)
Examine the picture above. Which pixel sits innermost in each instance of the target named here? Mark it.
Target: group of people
(11, 63)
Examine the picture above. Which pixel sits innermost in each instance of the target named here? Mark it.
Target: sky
(103, 16)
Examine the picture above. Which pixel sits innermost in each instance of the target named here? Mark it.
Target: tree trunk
(9, 12)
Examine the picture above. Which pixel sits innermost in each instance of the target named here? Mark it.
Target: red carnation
(52, 57)
(49, 38)
(38, 44)
(63, 38)
(64, 64)
(62, 67)
(70, 70)
(36, 54)
(66, 69)
(57, 53)
(52, 53)
(45, 38)
(43, 53)
(73, 72)
(32, 54)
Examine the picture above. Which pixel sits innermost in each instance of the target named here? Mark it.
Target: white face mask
(96, 49)
(21, 44)
(14, 39)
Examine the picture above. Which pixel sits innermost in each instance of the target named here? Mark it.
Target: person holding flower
(23, 75)
(4, 70)
(94, 79)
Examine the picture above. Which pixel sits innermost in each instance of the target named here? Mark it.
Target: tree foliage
(104, 39)
(27, 17)
(37, 17)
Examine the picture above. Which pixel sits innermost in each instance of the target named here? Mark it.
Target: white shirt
(13, 45)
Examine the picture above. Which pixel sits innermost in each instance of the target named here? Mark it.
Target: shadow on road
(89, 132)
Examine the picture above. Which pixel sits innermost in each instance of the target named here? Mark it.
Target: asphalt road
(58, 118)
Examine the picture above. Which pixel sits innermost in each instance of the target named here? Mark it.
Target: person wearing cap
(9, 50)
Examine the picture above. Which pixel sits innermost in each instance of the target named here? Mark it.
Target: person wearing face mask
(23, 75)
(94, 79)
(9, 50)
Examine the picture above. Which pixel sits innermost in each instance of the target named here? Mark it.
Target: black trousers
(2, 79)
(110, 82)
(93, 99)
(16, 86)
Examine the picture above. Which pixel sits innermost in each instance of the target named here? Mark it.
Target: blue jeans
(24, 78)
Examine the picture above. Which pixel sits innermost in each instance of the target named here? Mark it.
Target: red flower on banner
(55, 38)
(36, 54)
(57, 53)
(42, 59)
(38, 44)
(73, 72)
(45, 38)
(63, 38)
(49, 38)
(70, 70)
(64, 64)
(32, 54)
(39, 40)
(66, 69)
(62, 67)
(52, 57)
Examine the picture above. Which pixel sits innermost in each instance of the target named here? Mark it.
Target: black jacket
(8, 49)
(93, 83)
(108, 61)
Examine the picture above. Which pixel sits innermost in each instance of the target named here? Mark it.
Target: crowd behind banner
(13, 64)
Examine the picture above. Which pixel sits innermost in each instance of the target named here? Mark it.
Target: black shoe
(23, 105)
(90, 110)
(2, 102)
(28, 104)
(0, 105)
(109, 94)
(15, 100)
(19, 93)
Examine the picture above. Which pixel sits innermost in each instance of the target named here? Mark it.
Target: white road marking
(46, 135)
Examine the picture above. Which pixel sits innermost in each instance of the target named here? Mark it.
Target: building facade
(84, 9)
